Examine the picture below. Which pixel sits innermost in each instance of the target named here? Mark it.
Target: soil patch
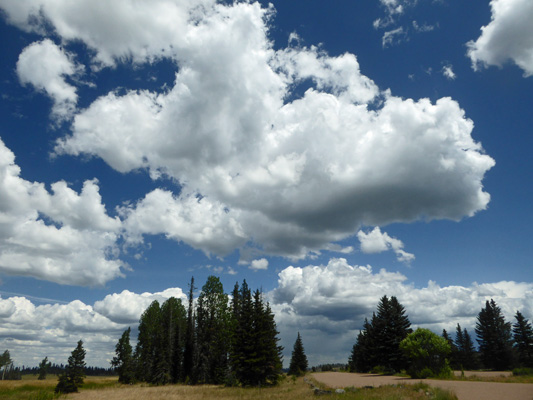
(463, 389)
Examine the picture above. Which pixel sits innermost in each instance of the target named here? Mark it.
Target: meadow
(108, 388)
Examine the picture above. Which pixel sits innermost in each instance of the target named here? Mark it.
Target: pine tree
(298, 365)
(494, 338)
(190, 350)
(43, 368)
(378, 345)
(123, 362)
(72, 378)
(464, 355)
(212, 332)
(146, 355)
(453, 349)
(523, 337)
(361, 357)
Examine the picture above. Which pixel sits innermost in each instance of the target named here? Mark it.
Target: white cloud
(376, 242)
(45, 65)
(62, 237)
(508, 37)
(328, 304)
(259, 264)
(393, 37)
(259, 164)
(200, 223)
(126, 307)
(447, 71)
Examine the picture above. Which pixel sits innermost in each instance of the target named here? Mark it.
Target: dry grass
(99, 388)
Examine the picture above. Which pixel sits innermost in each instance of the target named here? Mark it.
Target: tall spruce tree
(147, 356)
(212, 316)
(123, 361)
(523, 338)
(172, 330)
(361, 357)
(72, 378)
(189, 352)
(378, 344)
(463, 355)
(494, 338)
(298, 365)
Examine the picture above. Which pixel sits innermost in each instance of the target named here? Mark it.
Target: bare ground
(465, 390)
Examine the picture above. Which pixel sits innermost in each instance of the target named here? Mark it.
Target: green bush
(426, 352)
(523, 371)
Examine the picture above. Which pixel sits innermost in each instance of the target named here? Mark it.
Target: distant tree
(123, 362)
(523, 337)
(44, 366)
(298, 364)
(426, 352)
(5, 363)
(494, 338)
(213, 317)
(72, 378)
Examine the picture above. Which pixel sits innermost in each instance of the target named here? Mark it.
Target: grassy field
(108, 388)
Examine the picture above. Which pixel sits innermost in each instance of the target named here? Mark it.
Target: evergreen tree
(453, 350)
(379, 342)
(361, 358)
(72, 378)
(212, 332)
(123, 362)
(147, 356)
(523, 337)
(298, 364)
(5, 362)
(494, 338)
(189, 353)
(44, 366)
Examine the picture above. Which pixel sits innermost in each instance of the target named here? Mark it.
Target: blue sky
(328, 153)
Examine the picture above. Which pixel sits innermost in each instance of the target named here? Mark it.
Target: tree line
(388, 344)
(216, 341)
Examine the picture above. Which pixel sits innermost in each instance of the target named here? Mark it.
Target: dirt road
(463, 389)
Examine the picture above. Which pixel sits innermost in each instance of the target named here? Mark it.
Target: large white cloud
(64, 237)
(260, 164)
(45, 65)
(331, 301)
(508, 37)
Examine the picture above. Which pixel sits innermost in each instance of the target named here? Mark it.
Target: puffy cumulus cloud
(114, 31)
(31, 332)
(328, 304)
(126, 307)
(262, 263)
(259, 164)
(376, 241)
(45, 65)
(63, 237)
(508, 37)
(197, 221)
